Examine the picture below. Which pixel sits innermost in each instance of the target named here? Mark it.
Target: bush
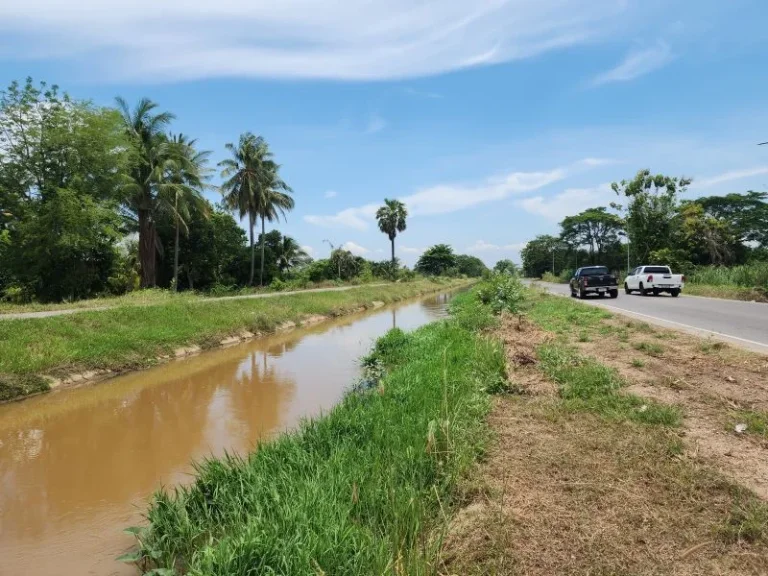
(277, 285)
(503, 293)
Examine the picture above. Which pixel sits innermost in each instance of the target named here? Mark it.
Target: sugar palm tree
(183, 186)
(391, 218)
(243, 174)
(146, 129)
(290, 254)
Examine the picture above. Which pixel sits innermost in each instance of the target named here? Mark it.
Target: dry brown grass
(573, 494)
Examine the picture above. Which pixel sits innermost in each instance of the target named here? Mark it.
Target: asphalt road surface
(741, 323)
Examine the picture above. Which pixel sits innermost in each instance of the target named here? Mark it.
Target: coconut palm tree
(146, 129)
(273, 201)
(183, 186)
(243, 174)
(391, 218)
(290, 254)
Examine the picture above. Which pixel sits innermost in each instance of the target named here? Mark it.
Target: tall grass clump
(753, 275)
(362, 490)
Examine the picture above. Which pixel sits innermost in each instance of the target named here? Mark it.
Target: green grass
(563, 315)
(585, 384)
(636, 363)
(756, 421)
(363, 490)
(728, 292)
(133, 336)
(650, 348)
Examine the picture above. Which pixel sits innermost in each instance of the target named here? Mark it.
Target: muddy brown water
(78, 466)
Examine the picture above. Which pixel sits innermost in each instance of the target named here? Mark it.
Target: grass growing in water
(356, 492)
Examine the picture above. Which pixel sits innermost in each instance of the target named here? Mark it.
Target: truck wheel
(626, 289)
(573, 294)
(643, 291)
(601, 294)
(675, 293)
(614, 293)
(582, 294)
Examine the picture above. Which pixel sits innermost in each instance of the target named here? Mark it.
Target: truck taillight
(584, 281)
(650, 278)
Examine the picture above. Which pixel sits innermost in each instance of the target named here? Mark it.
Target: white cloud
(309, 250)
(410, 250)
(729, 176)
(445, 198)
(571, 201)
(334, 39)
(375, 124)
(355, 248)
(331, 194)
(357, 218)
(636, 64)
(483, 246)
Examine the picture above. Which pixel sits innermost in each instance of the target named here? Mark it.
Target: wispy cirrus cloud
(356, 249)
(637, 63)
(570, 201)
(729, 177)
(335, 39)
(446, 198)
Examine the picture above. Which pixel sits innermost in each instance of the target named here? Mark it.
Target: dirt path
(49, 313)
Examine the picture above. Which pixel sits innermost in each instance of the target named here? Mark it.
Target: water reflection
(77, 466)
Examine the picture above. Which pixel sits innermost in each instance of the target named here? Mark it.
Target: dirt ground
(564, 492)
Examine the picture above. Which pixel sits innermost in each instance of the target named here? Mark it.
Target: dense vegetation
(98, 201)
(716, 240)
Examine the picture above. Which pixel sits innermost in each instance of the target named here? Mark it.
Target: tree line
(652, 224)
(98, 200)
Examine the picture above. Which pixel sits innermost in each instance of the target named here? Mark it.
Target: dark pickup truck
(594, 280)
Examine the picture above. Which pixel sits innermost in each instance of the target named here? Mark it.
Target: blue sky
(492, 120)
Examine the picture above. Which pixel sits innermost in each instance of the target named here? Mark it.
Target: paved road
(49, 313)
(741, 323)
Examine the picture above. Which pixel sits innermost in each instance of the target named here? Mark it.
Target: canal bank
(78, 465)
(43, 353)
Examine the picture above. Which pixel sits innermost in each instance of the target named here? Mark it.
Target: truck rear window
(598, 271)
(656, 270)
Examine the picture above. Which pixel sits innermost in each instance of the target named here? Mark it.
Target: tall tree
(652, 200)
(273, 201)
(543, 253)
(391, 218)
(505, 267)
(186, 174)
(746, 214)
(594, 228)
(146, 129)
(253, 187)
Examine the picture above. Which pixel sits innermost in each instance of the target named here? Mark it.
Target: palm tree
(290, 254)
(244, 173)
(145, 128)
(274, 200)
(391, 218)
(185, 179)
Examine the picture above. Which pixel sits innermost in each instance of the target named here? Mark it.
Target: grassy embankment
(132, 337)
(584, 476)
(748, 282)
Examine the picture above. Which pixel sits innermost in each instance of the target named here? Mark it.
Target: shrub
(502, 292)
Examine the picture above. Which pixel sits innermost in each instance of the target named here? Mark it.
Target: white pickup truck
(654, 280)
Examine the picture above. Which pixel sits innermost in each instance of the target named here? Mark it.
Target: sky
(491, 120)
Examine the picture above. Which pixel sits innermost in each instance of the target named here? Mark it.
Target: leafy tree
(595, 228)
(505, 267)
(274, 201)
(147, 174)
(391, 218)
(66, 248)
(651, 207)
(470, 266)
(704, 239)
(542, 254)
(746, 214)
(345, 263)
(437, 260)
